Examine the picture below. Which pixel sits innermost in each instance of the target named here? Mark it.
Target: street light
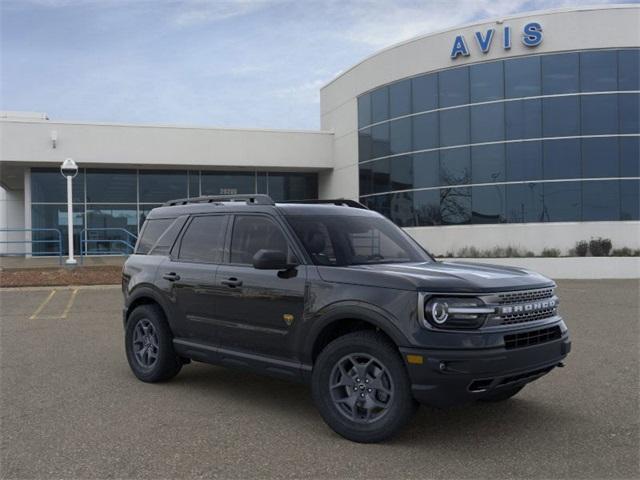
(69, 170)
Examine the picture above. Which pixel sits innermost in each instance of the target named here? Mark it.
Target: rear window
(203, 241)
(151, 233)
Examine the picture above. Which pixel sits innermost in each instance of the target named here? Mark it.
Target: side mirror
(270, 260)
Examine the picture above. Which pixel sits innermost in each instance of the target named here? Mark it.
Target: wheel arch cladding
(145, 298)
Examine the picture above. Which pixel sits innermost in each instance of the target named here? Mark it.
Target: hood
(460, 277)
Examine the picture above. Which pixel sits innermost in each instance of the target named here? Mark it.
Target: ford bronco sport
(335, 295)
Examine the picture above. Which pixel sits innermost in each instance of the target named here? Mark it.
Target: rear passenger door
(190, 276)
(257, 309)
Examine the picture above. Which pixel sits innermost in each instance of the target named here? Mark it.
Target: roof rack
(338, 201)
(258, 199)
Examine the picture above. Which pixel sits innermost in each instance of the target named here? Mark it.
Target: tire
(369, 409)
(147, 332)
(502, 394)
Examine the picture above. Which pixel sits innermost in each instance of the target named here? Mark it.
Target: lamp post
(69, 170)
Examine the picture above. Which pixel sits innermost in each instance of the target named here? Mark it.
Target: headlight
(455, 312)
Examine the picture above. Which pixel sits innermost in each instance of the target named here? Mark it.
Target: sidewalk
(16, 262)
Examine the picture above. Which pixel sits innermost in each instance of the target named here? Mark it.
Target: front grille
(507, 298)
(527, 297)
(535, 337)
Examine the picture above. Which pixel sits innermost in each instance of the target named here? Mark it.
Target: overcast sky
(232, 63)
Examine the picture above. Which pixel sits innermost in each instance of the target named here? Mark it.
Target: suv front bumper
(453, 377)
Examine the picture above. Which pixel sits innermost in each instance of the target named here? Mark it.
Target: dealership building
(520, 131)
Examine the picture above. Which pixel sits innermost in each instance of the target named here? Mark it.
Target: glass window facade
(535, 138)
(111, 205)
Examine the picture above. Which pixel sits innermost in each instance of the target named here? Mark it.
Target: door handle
(232, 282)
(171, 276)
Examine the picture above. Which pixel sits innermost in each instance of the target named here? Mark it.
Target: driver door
(257, 309)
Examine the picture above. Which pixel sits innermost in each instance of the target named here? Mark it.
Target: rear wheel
(502, 394)
(361, 387)
(149, 345)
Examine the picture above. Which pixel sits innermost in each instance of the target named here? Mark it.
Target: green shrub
(582, 248)
(600, 247)
(625, 252)
(550, 252)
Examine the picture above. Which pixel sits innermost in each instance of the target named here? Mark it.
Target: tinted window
(381, 176)
(487, 123)
(401, 206)
(380, 140)
(630, 157)
(455, 205)
(560, 73)
(426, 169)
(228, 183)
(487, 82)
(151, 233)
(106, 186)
(194, 184)
(165, 242)
(562, 159)
(488, 204)
(600, 200)
(561, 116)
(424, 93)
(524, 203)
(600, 157)
(629, 113)
(253, 233)
(523, 119)
(400, 99)
(366, 176)
(115, 228)
(50, 216)
(426, 207)
(562, 201)
(600, 114)
(402, 172)
(630, 200)
(292, 186)
(400, 135)
(522, 77)
(454, 127)
(524, 161)
(162, 186)
(380, 105)
(364, 144)
(364, 110)
(455, 166)
(487, 164)
(629, 70)
(204, 239)
(599, 71)
(454, 87)
(48, 185)
(425, 131)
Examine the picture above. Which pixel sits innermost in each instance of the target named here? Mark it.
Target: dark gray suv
(335, 295)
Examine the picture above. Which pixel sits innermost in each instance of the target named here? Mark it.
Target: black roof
(257, 203)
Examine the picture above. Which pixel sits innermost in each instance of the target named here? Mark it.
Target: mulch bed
(59, 276)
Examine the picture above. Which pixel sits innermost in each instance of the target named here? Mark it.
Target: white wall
(11, 216)
(528, 236)
(29, 141)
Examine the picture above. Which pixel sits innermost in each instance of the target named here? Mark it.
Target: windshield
(341, 240)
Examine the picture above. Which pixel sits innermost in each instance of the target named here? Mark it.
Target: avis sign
(531, 37)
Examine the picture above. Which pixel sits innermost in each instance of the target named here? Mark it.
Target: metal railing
(87, 238)
(31, 241)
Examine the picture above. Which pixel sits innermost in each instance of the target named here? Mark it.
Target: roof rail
(258, 199)
(338, 201)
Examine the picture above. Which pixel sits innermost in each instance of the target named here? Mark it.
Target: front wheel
(361, 387)
(149, 345)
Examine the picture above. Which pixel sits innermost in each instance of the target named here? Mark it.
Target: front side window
(151, 233)
(341, 240)
(204, 239)
(252, 233)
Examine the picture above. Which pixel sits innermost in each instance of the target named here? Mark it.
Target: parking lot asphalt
(70, 407)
